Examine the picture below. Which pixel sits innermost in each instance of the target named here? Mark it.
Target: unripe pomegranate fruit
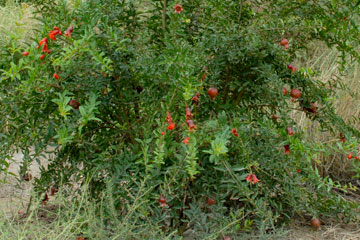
(212, 92)
(295, 93)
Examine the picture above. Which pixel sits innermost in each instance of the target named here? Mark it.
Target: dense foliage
(119, 91)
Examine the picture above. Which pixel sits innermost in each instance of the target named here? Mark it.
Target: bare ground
(15, 192)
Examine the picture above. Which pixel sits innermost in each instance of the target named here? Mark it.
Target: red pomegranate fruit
(284, 42)
(295, 93)
(210, 201)
(212, 92)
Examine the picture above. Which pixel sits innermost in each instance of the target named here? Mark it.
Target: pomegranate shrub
(190, 100)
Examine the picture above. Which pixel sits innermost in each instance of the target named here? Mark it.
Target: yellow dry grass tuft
(325, 61)
(17, 22)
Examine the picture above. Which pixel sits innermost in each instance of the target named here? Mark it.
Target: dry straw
(326, 63)
(17, 22)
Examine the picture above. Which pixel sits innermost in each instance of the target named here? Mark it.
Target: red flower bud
(290, 131)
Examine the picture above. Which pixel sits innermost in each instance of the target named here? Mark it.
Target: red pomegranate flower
(188, 114)
(287, 149)
(162, 202)
(44, 43)
(186, 140)
(52, 36)
(284, 91)
(44, 40)
(46, 48)
(203, 77)
(252, 178)
(234, 131)
(342, 137)
(54, 32)
(178, 8)
(350, 155)
(42, 57)
(195, 99)
(191, 124)
(25, 53)
(162, 133)
(69, 31)
(169, 118)
(290, 131)
(292, 68)
(171, 126)
(56, 76)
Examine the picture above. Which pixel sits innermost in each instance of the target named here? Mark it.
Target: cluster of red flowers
(53, 33)
(170, 122)
(188, 119)
(234, 132)
(44, 43)
(350, 156)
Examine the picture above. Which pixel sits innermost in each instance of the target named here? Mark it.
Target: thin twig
(164, 16)
(240, 11)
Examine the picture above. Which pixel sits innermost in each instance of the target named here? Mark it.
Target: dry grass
(17, 23)
(325, 61)
(332, 231)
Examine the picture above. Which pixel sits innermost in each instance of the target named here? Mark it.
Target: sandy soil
(15, 192)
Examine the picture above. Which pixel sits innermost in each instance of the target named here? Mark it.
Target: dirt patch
(15, 192)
